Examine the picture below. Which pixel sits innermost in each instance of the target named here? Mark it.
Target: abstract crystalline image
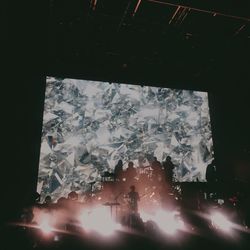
(88, 126)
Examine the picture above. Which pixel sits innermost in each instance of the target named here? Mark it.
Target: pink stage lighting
(44, 224)
(169, 222)
(99, 220)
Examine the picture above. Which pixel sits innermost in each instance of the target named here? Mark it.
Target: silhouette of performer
(168, 169)
(130, 173)
(118, 170)
(157, 168)
(133, 197)
(133, 218)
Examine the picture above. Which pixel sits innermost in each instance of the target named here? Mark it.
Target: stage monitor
(88, 126)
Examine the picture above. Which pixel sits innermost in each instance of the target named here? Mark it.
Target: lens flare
(168, 221)
(44, 220)
(99, 220)
(44, 224)
(45, 227)
(220, 221)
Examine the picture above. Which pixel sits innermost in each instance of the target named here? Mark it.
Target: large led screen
(89, 125)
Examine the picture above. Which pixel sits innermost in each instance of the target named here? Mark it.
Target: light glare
(45, 225)
(219, 221)
(167, 221)
(99, 220)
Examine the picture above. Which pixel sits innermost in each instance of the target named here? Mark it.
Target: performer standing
(133, 197)
(130, 174)
(118, 170)
(157, 169)
(168, 168)
(131, 171)
(133, 219)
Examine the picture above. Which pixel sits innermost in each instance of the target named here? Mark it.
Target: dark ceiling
(185, 43)
(154, 41)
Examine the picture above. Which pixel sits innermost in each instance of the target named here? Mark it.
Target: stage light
(99, 220)
(146, 216)
(56, 238)
(46, 228)
(167, 221)
(219, 221)
(45, 225)
(44, 221)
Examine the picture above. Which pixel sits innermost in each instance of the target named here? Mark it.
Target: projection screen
(89, 125)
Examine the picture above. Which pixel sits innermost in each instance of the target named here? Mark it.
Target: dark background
(199, 51)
